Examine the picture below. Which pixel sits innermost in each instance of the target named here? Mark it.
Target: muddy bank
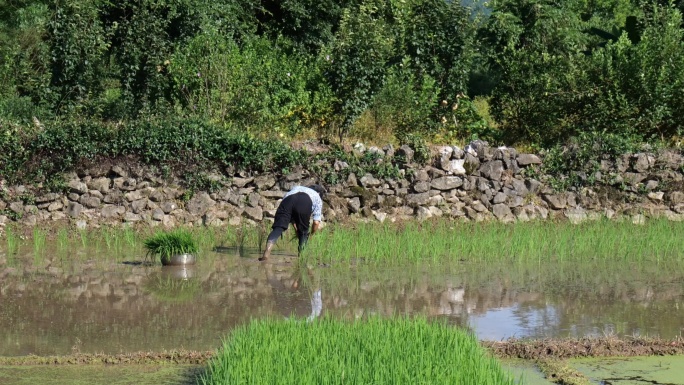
(520, 349)
(585, 347)
(177, 357)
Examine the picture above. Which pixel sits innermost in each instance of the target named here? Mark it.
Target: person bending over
(297, 207)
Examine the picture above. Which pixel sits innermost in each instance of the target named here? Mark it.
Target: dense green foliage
(374, 351)
(563, 73)
(386, 70)
(188, 148)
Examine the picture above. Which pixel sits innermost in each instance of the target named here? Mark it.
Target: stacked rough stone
(476, 183)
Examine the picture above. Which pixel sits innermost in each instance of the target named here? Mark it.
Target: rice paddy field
(97, 292)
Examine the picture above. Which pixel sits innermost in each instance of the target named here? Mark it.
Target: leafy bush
(537, 48)
(78, 44)
(357, 60)
(419, 146)
(256, 85)
(310, 24)
(35, 155)
(462, 121)
(22, 110)
(561, 75)
(439, 37)
(367, 163)
(639, 83)
(13, 152)
(406, 103)
(577, 162)
(24, 50)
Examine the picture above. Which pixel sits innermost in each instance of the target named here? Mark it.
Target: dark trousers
(295, 209)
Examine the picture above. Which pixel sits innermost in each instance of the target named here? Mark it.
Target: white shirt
(316, 201)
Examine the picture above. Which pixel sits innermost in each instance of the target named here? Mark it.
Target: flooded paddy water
(633, 371)
(65, 298)
(84, 300)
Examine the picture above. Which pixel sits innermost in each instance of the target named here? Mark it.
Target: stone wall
(476, 183)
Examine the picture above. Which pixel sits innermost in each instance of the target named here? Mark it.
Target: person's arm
(314, 228)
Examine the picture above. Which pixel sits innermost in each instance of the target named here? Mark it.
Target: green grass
(373, 351)
(445, 241)
(12, 241)
(62, 239)
(38, 239)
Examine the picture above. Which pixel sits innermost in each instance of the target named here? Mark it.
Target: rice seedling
(442, 241)
(12, 240)
(130, 238)
(62, 239)
(206, 238)
(372, 351)
(108, 238)
(83, 236)
(38, 244)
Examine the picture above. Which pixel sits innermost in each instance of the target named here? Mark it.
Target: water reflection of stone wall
(476, 183)
(101, 307)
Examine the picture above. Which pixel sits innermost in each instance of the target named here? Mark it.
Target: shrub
(575, 163)
(562, 75)
(30, 154)
(638, 83)
(406, 103)
(358, 59)
(78, 44)
(256, 85)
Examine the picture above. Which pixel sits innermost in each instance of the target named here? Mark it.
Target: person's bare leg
(271, 241)
(267, 251)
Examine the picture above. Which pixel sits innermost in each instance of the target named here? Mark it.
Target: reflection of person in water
(292, 299)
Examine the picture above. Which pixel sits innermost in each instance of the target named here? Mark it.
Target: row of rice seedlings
(444, 240)
(372, 351)
(62, 239)
(247, 239)
(13, 241)
(38, 245)
(436, 241)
